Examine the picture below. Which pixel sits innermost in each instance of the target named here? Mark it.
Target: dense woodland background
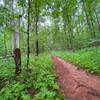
(54, 24)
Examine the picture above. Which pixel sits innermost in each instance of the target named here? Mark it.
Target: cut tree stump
(17, 59)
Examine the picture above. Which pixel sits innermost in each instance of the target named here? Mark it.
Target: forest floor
(75, 83)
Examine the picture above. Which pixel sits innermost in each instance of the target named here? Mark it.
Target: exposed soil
(76, 84)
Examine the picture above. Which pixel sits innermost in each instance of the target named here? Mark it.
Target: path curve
(76, 84)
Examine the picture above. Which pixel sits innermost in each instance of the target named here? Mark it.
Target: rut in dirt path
(76, 84)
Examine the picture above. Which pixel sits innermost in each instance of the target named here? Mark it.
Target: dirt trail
(76, 84)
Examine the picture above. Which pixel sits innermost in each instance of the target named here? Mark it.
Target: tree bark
(17, 58)
(37, 43)
(87, 19)
(15, 37)
(5, 43)
(28, 42)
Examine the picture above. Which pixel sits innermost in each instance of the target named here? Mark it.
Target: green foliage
(40, 77)
(62, 24)
(87, 59)
(4, 13)
(6, 67)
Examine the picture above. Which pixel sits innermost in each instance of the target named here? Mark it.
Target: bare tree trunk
(37, 43)
(5, 43)
(87, 18)
(15, 36)
(65, 27)
(17, 58)
(28, 43)
(70, 33)
(13, 41)
(92, 24)
(97, 19)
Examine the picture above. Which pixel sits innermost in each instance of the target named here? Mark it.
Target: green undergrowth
(38, 81)
(88, 59)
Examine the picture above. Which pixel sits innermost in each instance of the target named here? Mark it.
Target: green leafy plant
(40, 77)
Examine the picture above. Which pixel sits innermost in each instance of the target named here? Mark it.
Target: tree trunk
(65, 27)
(5, 43)
(28, 43)
(97, 20)
(17, 58)
(87, 18)
(70, 33)
(92, 24)
(37, 43)
(15, 38)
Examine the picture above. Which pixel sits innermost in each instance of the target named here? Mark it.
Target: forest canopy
(61, 24)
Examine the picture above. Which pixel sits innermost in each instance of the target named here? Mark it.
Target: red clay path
(76, 84)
